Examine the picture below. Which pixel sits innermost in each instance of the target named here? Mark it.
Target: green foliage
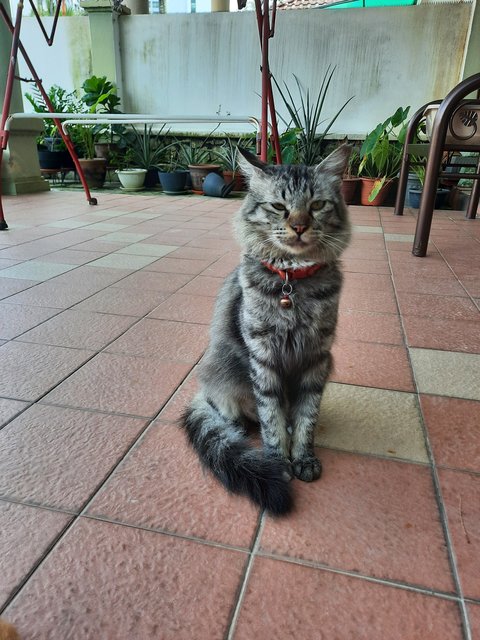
(381, 153)
(306, 118)
(63, 101)
(147, 148)
(227, 153)
(288, 147)
(100, 95)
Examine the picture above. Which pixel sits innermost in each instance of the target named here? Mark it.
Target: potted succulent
(381, 157)
(147, 149)
(351, 180)
(197, 158)
(132, 178)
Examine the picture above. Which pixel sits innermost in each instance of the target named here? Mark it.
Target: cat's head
(294, 211)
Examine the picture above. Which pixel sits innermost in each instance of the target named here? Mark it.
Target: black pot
(151, 178)
(54, 159)
(173, 182)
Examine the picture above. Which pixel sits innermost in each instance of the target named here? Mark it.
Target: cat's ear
(250, 164)
(336, 163)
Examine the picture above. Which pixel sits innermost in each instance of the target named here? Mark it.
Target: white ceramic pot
(131, 179)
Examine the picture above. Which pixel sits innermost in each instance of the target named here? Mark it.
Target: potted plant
(131, 177)
(351, 180)
(415, 194)
(197, 158)
(147, 148)
(52, 152)
(100, 96)
(172, 175)
(94, 169)
(381, 157)
(227, 156)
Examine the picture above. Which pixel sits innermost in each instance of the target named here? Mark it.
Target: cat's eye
(278, 206)
(316, 205)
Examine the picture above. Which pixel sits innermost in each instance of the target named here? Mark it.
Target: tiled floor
(110, 530)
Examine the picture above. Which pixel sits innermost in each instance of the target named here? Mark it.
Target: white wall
(200, 64)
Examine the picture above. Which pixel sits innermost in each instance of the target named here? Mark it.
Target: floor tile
(372, 365)
(452, 426)
(376, 421)
(9, 409)
(412, 283)
(16, 319)
(387, 515)
(442, 307)
(10, 286)
(136, 386)
(369, 327)
(26, 533)
(27, 371)
(179, 265)
(57, 457)
(203, 286)
(448, 335)
(154, 281)
(367, 300)
(35, 270)
(146, 249)
(124, 236)
(123, 261)
(314, 599)
(124, 583)
(461, 495)
(79, 329)
(124, 302)
(446, 373)
(399, 237)
(163, 339)
(474, 615)
(185, 308)
(161, 485)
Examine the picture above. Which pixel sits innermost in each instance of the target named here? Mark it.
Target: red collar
(295, 274)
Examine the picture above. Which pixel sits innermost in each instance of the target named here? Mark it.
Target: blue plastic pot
(173, 182)
(415, 196)
(214, 185)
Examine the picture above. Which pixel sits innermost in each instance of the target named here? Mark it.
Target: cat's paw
(307, 469)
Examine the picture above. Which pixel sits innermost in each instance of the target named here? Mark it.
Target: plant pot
(105, 150)
(238, 179)
(214, 185)
(198, 173)
(366, 189)
(412, 183)
(349, 189)
(151, 178)
(440, 198)
(95, 170)
(173, 182)
(459, 197)
(131, 179)
(54, 159)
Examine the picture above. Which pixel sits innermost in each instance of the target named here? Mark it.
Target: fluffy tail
(225, 450)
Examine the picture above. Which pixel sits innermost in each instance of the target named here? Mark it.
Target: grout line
(243, 587)
(360, 576)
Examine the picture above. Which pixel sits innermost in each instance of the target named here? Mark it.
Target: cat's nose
(299, 228)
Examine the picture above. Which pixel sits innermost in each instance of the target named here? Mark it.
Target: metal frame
(434, 152)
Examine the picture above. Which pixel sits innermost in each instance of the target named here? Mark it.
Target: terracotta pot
(349, 189)
(366, 189)
(198, 173)
(238, 179)
(95, 170)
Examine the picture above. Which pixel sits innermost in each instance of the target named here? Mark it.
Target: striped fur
(264, 363)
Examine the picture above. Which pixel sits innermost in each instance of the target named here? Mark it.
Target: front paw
(307, 469)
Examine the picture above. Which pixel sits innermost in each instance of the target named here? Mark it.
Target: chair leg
(474, 198)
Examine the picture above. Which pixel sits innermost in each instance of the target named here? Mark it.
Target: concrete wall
(205, 63)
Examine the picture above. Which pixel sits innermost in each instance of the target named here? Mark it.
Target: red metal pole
(8, 97)
(66, 139)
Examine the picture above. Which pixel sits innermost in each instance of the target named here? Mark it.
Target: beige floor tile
(367, 420)
(148, 249)
(447, 373)
(123, 261)
(36, 270)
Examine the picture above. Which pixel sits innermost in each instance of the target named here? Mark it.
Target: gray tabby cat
(269, 354)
